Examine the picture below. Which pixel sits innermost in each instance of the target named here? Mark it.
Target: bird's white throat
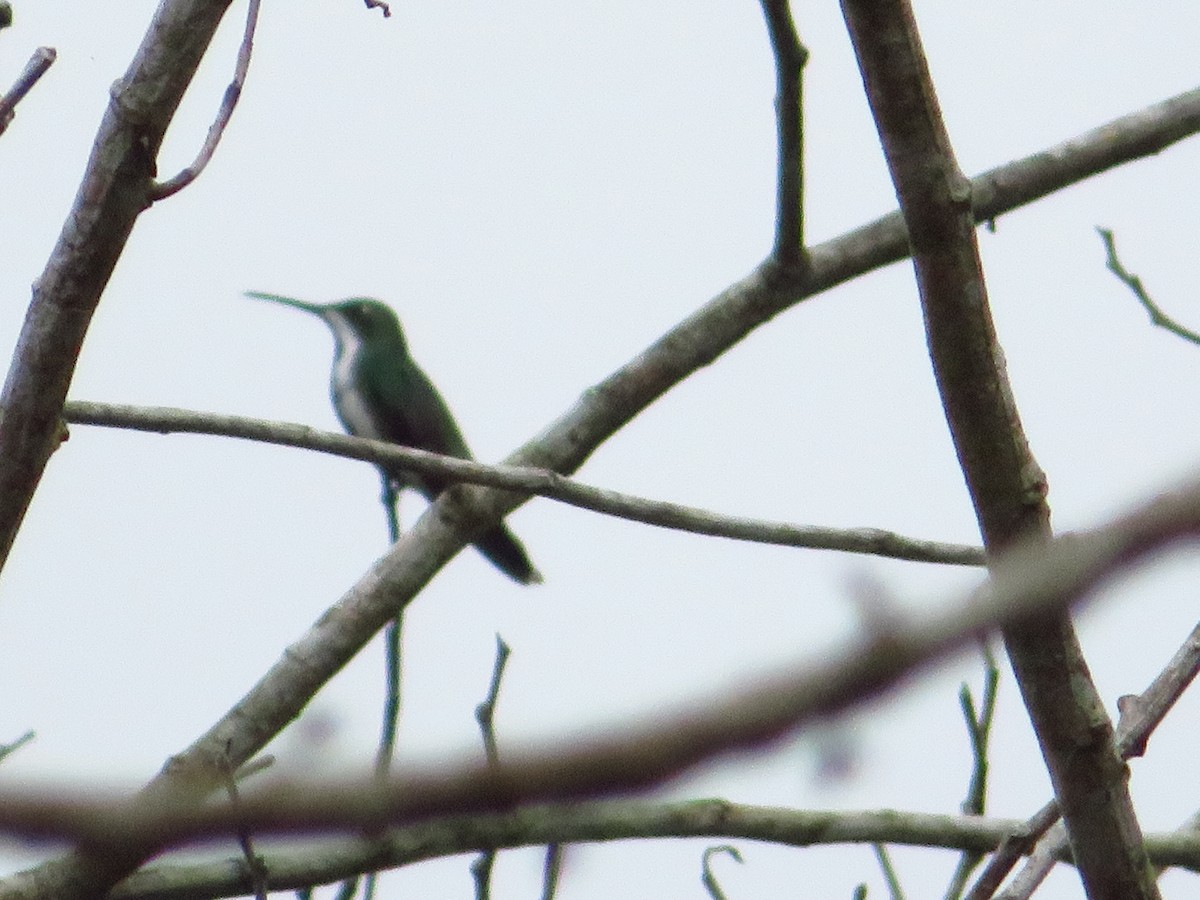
(347, 398)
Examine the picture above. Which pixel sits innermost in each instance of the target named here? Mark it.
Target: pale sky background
(541, 189)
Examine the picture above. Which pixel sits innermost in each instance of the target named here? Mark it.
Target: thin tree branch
(7, 750)
(393, 643)
(255, 868)
(1131, 281)
(1140, 716)
(160, 190)
(608, 821)
(39, 64)
(540, 482)
(790, 59)
(485, 712)
(552, 868)
(979, 730)
(1007, 486)
(707, 878)
(485, 715)
(601, 822)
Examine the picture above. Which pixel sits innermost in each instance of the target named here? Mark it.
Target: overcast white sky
(541, 189)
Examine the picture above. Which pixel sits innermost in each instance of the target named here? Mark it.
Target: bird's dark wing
(417, 416)
(422, 419)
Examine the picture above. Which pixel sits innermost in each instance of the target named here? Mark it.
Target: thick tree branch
(1007, 487)
(539, 482)
(115, 190)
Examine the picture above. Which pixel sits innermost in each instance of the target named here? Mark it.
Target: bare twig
(790, 58)
(1011, 849)
(163, 189)
(1131, 281)
(393, 639)
(707, 878)
(41, 61)
(7, 750)
(1007, 487)
(552, 867)
(979, 728)
(481, 874)
(393, 645)
(485, 712)
(890, 877)
(255, 867)
(485, 715)
(534, 481)
(1140, 715)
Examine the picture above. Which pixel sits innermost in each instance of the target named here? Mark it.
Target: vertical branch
(485, 715)
(393, 637)
(1006, 485)
(390, 499)
(979, 731)
(790, 58)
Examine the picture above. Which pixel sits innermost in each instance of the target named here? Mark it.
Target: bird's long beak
(314, 308)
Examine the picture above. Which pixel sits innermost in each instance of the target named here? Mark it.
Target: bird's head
(365, 318)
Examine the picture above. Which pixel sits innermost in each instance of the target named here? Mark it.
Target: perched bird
(379, 392)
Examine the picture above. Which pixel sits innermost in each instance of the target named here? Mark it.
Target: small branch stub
(41, 61)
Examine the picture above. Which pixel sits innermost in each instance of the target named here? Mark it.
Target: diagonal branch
(1134, 283)
(1140, 715)
(114, 192)
(39, 64)
(1007, 487)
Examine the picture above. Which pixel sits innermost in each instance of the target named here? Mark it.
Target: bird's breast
(346, 390)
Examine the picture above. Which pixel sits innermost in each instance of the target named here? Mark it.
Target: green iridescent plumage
(380, 392)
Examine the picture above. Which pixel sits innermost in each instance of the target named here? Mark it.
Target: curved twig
(160, 190)
(541, 482)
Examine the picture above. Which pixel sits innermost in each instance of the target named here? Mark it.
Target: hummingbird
(379, 392)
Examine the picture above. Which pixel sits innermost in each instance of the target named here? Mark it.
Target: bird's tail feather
(505, 552)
